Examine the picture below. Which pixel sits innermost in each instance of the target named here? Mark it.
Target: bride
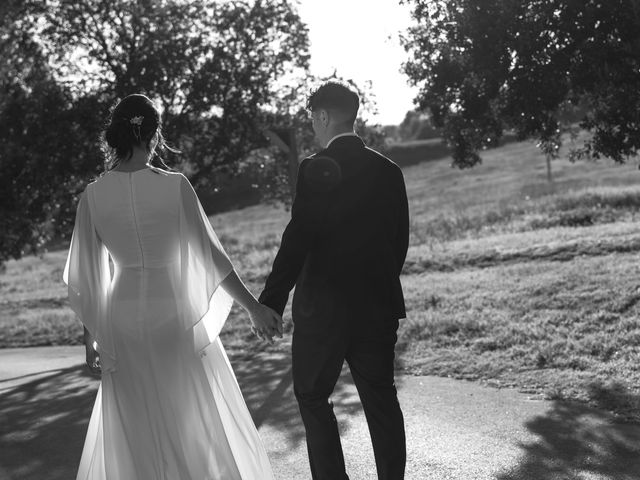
(168, 406)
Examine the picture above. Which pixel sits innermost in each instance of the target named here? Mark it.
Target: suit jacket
(347, 239)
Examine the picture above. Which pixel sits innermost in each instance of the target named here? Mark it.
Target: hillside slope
(509, 279)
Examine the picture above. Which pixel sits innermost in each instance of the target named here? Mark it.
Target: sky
(359, 39)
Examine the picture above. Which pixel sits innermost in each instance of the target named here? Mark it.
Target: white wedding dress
(169, 406)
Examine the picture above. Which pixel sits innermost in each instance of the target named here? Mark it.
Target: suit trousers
(318, 355)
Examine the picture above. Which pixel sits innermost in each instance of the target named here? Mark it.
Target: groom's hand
(279, 322)
(266, 323)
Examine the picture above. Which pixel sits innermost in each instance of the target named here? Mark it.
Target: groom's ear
(323, 116)
(322, 174)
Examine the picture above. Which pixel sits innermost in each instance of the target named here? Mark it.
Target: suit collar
(340, 135)
(345, 141)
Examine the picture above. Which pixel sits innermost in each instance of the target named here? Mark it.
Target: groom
(343, 250)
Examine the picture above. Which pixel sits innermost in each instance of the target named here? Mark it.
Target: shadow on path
(574, 441)
(267, 385)
(21, 377)
(43, 421)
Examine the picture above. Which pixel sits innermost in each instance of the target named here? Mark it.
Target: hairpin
(136, 122)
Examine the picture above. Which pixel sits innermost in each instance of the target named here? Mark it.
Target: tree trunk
(549, 177)
(285, 139)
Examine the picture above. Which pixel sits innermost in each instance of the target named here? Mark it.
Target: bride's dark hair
(133, 121)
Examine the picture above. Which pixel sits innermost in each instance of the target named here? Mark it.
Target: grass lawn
(509, 280)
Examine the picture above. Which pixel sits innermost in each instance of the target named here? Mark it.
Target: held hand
(93, 360)
(92, 356)
(265, 323)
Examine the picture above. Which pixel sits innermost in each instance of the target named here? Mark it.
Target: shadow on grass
(560, 252)
(576, 442)
(43, 421)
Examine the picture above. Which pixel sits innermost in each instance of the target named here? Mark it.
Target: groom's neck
(338, 130)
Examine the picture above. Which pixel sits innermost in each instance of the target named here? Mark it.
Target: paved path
(455, 430)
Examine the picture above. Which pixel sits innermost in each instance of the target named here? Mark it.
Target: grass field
(509, 280)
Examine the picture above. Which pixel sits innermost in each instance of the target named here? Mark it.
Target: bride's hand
(92, 355)
(93, 360)
(265, 322)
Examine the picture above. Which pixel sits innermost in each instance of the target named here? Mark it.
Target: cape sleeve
(88, 277)
(203, 266)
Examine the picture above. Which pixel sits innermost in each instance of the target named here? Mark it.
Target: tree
(213, 66)
(484, 66)
(44, 152)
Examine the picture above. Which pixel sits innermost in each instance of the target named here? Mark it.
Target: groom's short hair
(336, 97)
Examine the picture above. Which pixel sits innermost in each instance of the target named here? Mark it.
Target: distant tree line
(415, 126)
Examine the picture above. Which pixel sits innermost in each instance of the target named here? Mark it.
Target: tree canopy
(484, 66)
(213, 66)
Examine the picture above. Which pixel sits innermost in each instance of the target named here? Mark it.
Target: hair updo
(336, 96)
(133, 122)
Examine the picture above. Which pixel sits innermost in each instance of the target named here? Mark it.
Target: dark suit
(343, 250)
